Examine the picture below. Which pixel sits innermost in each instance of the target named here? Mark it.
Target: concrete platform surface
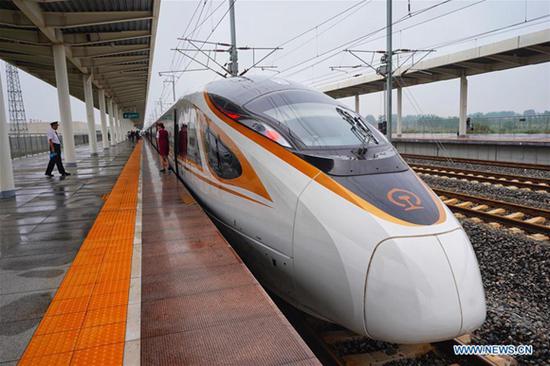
(200, 304)
(41, 230)
(497, 139)
(116, 264)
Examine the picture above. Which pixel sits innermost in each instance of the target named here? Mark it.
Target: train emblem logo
(407, 200)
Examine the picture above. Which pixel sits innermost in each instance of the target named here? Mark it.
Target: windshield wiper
(363, 134)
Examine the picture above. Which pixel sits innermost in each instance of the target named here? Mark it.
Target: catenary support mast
(389, 54)
(234, 65)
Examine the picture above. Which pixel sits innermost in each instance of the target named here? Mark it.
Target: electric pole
(172, 80)
(16, 107)
(389, 73)
(234, 64)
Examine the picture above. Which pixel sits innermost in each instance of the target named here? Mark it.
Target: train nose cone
(412, 294)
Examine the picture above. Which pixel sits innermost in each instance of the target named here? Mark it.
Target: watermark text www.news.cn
(493, 349)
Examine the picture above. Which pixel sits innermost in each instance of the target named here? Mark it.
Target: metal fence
(31, 144)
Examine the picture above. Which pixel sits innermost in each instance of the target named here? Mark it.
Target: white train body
(374, 249)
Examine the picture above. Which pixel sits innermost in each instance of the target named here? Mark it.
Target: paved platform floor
(200, 304)
(98, 272)
(42, 229)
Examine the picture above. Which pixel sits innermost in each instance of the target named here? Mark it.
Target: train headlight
(265, 130)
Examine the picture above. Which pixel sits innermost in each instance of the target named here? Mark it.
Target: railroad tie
(515, 215)
(539, 237)
(480, 208)
(536, 220)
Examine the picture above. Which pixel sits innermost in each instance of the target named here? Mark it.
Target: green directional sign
(130, 115)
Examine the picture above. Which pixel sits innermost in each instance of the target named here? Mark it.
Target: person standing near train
(163, 146)
(55, 151)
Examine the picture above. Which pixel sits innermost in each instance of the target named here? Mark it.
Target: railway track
(508, 180)
(534, 221)
(506, 164)
(380, 353)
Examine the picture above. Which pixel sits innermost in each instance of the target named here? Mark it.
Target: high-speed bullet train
(324, 211)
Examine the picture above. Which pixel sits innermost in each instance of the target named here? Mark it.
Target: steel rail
(490, 217)
(479, 176)
(510, 177)
(507, 164)
(531, 211)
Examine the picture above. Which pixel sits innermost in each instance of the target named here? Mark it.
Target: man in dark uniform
(55, 151)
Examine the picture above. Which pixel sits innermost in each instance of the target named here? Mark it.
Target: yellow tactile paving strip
(85, 323)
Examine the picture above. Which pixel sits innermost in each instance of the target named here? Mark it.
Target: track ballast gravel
(534, 173)
(517, 196)
(515, 275)
(516, 278)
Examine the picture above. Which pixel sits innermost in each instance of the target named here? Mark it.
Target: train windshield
(315, 119)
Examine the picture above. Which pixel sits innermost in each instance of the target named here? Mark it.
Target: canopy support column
(89, 100)
(7, 184)
(66, 119)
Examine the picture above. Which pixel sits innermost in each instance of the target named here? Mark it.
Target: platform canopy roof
(111, 39)
(528, 49)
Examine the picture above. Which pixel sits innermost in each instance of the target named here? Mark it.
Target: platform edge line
(132, 344)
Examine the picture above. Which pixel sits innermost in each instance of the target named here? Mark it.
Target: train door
(175, 140)
(169, 126)
(181, 128)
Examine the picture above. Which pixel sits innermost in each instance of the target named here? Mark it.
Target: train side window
(222, 160)
(193, 152)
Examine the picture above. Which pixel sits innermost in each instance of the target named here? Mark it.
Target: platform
(521, 148)
(132, 272)
(498, 139)
(42, 229)
(200, 304)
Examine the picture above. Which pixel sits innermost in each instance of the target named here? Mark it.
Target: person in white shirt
(55, 151)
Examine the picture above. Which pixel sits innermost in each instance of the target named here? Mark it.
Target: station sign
(130, 115)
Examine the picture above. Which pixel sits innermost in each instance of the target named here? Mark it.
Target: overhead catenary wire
(322, 79)
(498, 30)
(203, 43)
(175, 55)
(197, 28)
(369, 40)
(335, 50)
(359, 5)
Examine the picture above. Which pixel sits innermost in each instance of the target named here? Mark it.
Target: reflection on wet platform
(42, 229)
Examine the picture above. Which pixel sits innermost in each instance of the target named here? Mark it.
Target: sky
(308, 58)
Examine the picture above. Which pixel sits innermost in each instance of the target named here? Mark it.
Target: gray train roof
(241, 90)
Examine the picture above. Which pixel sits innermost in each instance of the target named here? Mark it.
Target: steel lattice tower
(16, 108)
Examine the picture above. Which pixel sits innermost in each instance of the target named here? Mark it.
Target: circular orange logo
(407, 200)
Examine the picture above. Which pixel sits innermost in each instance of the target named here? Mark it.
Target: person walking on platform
(55, 151)
(163, 146)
